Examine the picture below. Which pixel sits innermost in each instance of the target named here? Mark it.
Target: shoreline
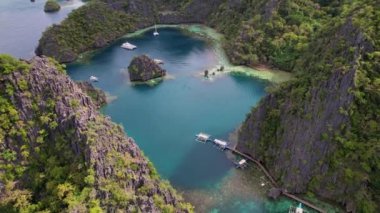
(216, 41)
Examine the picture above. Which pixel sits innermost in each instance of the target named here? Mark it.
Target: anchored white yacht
(155, 31)
(128, 46)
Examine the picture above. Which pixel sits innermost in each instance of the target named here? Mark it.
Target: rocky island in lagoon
(144, 69)
(52, 6)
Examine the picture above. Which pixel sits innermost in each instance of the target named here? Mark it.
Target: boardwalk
(273, 182)
(257, 163)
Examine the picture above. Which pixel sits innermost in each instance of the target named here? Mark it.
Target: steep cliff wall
(320, 133)
(58, 153)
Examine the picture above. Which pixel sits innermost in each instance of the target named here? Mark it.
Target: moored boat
(128, 46)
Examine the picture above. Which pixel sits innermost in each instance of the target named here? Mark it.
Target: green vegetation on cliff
(51, 6)
(271, 32)
(58, 154)
(319, 133)
(91, 26)
(335, 99)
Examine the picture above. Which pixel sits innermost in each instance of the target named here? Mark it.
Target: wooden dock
(257, 163)
(273, 182)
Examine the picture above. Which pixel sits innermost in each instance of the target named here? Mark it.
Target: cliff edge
(57, 152)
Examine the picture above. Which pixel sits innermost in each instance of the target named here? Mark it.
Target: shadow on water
(202, 167)
(143, 88)
(172, 40)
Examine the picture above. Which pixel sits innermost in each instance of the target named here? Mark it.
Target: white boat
(241, 164)
(155, 33)
(94, 78)
(297, 209)
(202, 137)
(158, 61)
(220, 143)
(128, 46)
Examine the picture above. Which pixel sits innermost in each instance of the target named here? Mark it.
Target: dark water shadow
(203, 167)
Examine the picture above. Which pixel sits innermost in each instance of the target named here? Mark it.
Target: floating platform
(203, 137)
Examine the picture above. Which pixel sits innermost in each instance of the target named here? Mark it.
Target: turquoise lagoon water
(164, 119)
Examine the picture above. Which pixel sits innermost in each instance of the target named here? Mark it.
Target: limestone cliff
(143, 68)
(320, 133)
(58, 153)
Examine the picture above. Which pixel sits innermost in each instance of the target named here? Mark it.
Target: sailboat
(155, 31)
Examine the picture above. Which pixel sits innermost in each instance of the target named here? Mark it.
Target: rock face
(143, 68)
(59, 152)
(98, 96)
(51, 6)
(309, 131)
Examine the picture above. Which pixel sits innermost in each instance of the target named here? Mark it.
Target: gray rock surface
(115, 159)
(143, 68)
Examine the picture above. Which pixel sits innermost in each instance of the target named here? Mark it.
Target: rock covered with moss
(98, 96)
(51, 6)
(58, 153)
(143, 68)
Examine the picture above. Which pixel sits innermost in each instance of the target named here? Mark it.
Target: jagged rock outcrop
(59, 153)
(98, 96)
(143, 68)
